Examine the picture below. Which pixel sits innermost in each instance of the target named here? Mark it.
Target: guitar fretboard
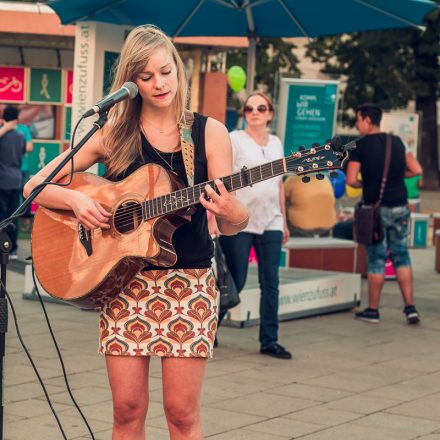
(190, 196)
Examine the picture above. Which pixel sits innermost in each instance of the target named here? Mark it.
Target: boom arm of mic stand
(98, 124)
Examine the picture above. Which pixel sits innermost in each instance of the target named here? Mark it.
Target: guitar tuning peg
(315, 145)
(306, 179)
(320, 176)
(333, 174)
(301, 148)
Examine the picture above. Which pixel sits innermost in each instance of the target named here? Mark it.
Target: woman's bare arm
(352, 174)
(90, 213)
(413, 167)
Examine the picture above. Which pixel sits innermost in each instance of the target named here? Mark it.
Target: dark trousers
(268, 250)
(9, 200)
(343, 230)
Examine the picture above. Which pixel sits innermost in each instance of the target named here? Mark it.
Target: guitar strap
(187, 143)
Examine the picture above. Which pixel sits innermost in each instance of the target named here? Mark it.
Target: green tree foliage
(274, 55)
(373, 63)
(390, 68)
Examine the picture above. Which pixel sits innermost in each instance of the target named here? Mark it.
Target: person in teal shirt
(26, 132)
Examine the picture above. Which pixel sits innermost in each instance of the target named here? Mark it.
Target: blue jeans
(395, 222)
(9, 201)
(268, 249)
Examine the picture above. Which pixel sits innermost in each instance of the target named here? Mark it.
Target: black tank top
(192, 242)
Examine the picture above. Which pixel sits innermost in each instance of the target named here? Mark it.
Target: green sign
(67, 123)
(110, 59)
(45, 86)
(307, 112)
(41, 155)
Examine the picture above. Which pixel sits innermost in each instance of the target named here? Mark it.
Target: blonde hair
(122, 140)
(265, 97)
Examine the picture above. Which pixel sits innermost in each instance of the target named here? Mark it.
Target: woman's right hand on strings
(89, 212)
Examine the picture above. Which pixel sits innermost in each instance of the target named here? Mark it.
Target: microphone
(127, 90)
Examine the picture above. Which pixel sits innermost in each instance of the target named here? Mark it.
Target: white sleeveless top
(262, 200)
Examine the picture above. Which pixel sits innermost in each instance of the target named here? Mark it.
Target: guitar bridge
(85, 237)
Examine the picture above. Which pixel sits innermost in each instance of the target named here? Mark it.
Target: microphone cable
(17, 329)
(29, 356)
(3, 224)
(55, 343)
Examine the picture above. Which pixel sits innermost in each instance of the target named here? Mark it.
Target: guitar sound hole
(128, 217)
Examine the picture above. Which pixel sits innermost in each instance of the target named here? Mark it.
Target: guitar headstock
(330, 156)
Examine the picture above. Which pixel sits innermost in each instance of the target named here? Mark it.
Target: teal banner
(41, 155)
(110, 59)
(307, 113)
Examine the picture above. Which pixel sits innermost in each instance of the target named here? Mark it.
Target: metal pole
(5, 246)
(251, 61)
(252, 51)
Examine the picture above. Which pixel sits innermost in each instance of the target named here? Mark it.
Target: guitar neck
(189, 196)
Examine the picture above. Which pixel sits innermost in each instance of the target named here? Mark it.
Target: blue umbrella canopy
(271, 18)
(251, 18)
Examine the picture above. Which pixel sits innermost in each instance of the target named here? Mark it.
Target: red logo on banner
(12, 84)
(69, 86)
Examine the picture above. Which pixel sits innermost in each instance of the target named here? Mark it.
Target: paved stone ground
(347, 380)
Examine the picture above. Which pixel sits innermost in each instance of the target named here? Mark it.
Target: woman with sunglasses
(267, 228)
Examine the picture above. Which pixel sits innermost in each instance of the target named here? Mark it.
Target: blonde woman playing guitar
(167, 311)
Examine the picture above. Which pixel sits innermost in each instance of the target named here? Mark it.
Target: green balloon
(236, 78)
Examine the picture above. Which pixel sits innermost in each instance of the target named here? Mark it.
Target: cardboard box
(322, 253)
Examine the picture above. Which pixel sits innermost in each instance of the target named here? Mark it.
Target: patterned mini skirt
(170, 312)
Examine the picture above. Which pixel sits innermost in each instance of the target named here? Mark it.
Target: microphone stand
(5, 246)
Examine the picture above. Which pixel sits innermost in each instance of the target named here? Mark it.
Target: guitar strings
(129, 211)
(235, 177)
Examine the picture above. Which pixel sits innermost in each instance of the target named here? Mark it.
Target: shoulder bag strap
(187, 143)
(386, 168)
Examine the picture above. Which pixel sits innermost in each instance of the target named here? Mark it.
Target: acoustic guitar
(89, 268)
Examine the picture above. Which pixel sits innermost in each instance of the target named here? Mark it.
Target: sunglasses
(260, 108)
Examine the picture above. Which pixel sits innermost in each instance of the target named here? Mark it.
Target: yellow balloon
(352, 192)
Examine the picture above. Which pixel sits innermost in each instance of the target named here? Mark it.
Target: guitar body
(90, 268)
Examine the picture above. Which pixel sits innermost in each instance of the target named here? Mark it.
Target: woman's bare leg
(182, 388)
(128, 377)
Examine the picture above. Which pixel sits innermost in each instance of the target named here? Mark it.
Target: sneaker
(13, 255)
(412, 315)
(276, 350)
(369, 315)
